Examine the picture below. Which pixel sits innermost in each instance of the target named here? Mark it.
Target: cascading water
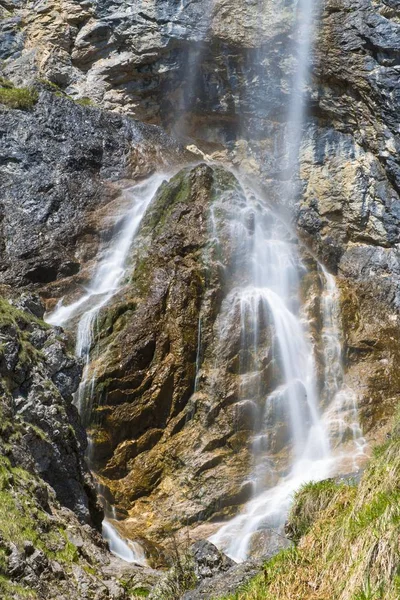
(269, 309)
(293, 410)
(341, 415)
(299, 434)
(107, 281)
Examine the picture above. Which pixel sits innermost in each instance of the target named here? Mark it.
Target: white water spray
(319, 437)
(129, 551)
(107, 281)
(268, 305)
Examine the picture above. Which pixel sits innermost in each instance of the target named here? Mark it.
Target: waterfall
(316, 431)
(301, 433)
(269, 307)
(107, 280)
(303, 39)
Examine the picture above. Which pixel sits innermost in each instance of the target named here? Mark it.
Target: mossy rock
(19, 98)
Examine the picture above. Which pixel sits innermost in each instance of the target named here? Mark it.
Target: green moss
(133, 590)
(21, 98)
(22, 519)
(85, 101)
(170, 194)
(9, 315)
(6, 83)
(49, 84)
(69, 553)
(10, 590)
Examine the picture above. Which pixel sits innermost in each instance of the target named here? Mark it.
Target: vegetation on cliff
(15, 97)
(346, 539)
(46, 551)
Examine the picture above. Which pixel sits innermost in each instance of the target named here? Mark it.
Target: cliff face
(63, 169)
(171, 447)
(50, 546)
(349, 208)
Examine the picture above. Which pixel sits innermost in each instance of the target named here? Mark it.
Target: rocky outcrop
(161, 439)
(50, 546)
(182, 65)
(63, 168)
(38, 378)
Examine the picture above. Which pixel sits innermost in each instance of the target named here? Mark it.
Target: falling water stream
(320, 428)
(106, 282)
(317, 431)
(270, 309)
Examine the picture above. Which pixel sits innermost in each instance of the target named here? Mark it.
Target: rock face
(63, 166)
(160, 438)
(183, 64)
(350, 206)
(171, 445)
(38, 378)
(49, 547)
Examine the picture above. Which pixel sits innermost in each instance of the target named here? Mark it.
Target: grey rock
(208, 560)
(59, 165)
(31, 303)
(225, 583)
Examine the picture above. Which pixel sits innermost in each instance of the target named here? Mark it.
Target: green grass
(309, 502)
(85, 101)
(10, 590)
(348, 540)
(20, 98)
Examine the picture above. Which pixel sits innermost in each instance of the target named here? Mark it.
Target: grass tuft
(20, 98)
(348, 539)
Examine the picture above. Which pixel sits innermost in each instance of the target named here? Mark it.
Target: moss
(85, 101)
(49, 84)
(142, 276)
(10, 590)
(170, 194)
(21, 98)
(6, 83)
(22, 518)
(133, 590)
(9, 314)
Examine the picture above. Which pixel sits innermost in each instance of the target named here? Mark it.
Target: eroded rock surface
(50, 545)
(350, 205)
(63, 168)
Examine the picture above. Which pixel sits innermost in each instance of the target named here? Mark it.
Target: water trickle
(341, 415)
(129, 551)
(107, 281)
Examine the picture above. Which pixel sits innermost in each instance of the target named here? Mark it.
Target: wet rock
(50, 223)
(150, 429)
(208, 560)
(225, 583)
(31, 303)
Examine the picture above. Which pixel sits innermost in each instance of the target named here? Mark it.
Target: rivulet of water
(106, 282)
